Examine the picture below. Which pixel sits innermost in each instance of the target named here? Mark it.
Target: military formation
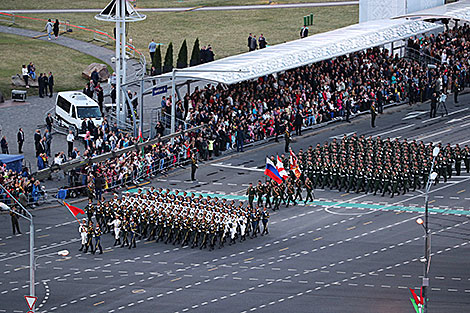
(170, 217)
(360, 164)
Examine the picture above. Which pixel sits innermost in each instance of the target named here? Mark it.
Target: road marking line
(461, 191)
(43, 236)
(175, 279)
(98, 303)
(280, 250)
(351, 228)
(367, 223)
(212, 269)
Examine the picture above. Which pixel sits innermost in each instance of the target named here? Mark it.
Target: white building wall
(370, 10)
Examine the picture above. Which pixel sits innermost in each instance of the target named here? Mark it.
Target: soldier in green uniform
(298, 189)
(290, 193)
(309, 189)
(250, 192)
(260, 192)
(276, 197)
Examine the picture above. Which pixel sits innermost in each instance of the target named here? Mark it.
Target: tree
(182, 61)
(196, 55)
(157, 61)
(168, 64)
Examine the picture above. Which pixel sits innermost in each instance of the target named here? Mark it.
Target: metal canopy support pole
(123, 40)
(118, 63)
(173, 103)
(31, 262)
(141, 100)
(31, 244)
(123, 55)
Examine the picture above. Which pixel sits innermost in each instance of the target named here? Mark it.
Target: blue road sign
(159, 90)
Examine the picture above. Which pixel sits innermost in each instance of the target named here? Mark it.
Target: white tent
(305, 51)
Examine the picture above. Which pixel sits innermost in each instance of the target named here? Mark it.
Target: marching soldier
(276, 197)
(116, 223)
(98, 234)
(89, 238)
(250, 192)
(90, 209)
(260, 192)
(82, 229)
(298, 189)
(309, 189)
(264, 220)
(290, 193)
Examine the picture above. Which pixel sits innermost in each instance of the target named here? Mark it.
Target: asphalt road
(343, 253)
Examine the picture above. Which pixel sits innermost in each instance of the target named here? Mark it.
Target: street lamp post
(31, 240)
(427, 247)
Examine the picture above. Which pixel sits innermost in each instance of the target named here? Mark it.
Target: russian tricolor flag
(272, 172)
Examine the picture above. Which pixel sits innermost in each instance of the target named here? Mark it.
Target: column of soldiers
(360, 164)
(171, 217)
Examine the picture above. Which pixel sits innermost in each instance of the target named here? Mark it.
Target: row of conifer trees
(182, 60)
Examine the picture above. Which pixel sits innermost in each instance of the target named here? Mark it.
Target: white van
(72, 107)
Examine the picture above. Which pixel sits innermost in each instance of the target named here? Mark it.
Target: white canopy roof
(458, 10)
(305, 51)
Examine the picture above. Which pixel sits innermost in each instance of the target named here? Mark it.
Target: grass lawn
(226, 31)
(66, 64)
(98, 4)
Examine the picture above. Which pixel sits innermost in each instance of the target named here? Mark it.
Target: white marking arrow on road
(414, 115)
(254, 169)
(457, 119)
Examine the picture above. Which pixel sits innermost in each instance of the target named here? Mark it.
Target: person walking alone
(20, 140)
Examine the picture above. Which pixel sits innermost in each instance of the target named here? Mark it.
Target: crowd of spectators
(22, 186)
(258, 109)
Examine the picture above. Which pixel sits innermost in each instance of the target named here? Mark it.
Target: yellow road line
(104, 251)
(2, 244)
(147, 242)
(43, 236)
(249, 259)
(345, 194)
(463, 190)
(432, 201)
(176, 279)
(318, 238)
(283, 249)
(351, 228)
(98, 303)
(367, 223)
(212, 269)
